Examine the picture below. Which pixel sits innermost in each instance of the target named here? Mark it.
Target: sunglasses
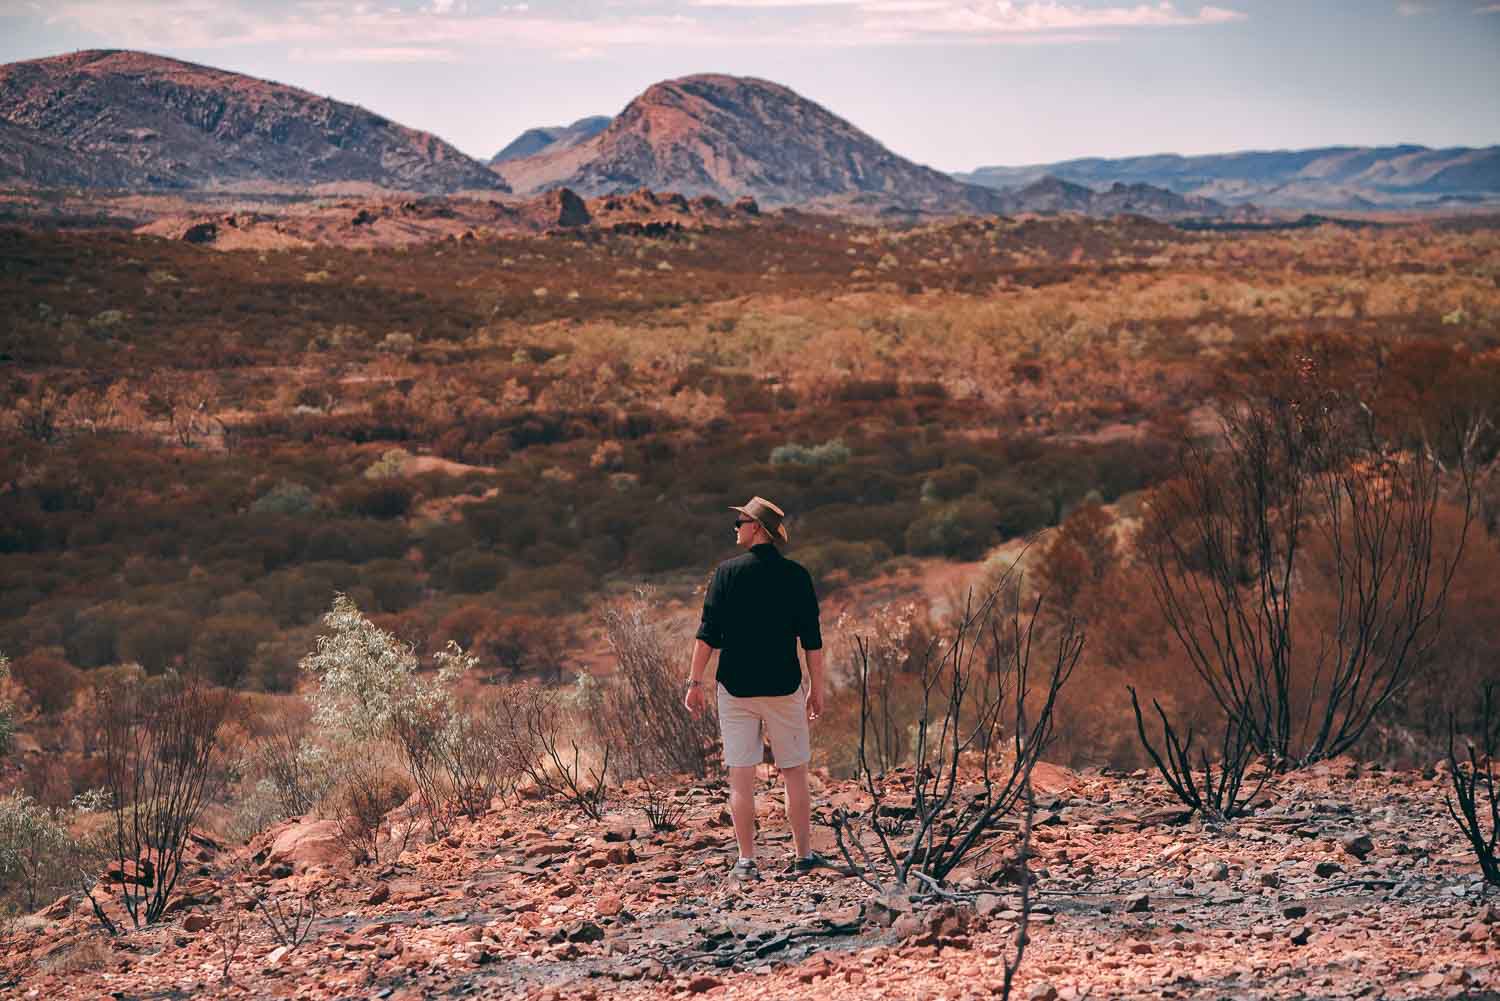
(743, 521)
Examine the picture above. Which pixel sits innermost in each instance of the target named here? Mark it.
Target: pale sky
(955, 84)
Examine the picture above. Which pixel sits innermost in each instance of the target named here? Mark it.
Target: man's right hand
(694, 700)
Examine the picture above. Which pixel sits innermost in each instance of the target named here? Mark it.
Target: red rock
(312, 842)
(608, 905)
(1141, 948)
(194, 923)
(380, 894)
(138, 872)
(58, 909)
(1476, 932)
(703, 982)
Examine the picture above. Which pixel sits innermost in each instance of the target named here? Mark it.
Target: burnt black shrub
(1018, 511)
(355, 541)
(474, 572)
(961, 530)
(395, 584)
(223, 646)
(156, 638)
(950, 482)
(375, 498)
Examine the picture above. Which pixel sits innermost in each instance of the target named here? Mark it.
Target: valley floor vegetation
(386, 497)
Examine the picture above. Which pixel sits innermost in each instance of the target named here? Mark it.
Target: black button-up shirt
(758, 606)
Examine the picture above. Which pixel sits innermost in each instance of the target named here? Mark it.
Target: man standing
(758, 607)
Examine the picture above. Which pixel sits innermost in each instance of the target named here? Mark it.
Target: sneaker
(807, 863)
(745, 869)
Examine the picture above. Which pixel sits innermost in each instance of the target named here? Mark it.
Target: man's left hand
(814, 702)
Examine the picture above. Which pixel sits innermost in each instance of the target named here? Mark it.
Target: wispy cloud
(1411, 9)
(443, 30)
(1491, 8)
(1047, 21)
(388, 54)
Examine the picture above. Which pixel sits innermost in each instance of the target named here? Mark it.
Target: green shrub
(379, 498)
(950, 482)
(356, 541)
(829, 561)
(961, 530)
(224, 645)
(1018, 511)
(156, 638)
(395, 584)
(91, 641)
(286, 499)
(474, 573)
(48, 680)
(830, 453)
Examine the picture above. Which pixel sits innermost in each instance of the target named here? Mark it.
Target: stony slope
(1327, 177)
(1345, 883)
(732, 136)
(551, 139)
(135, 120)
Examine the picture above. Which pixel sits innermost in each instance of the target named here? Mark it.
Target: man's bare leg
(742, 807)
(798, 809)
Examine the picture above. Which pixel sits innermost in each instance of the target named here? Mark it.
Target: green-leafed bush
(830, 453)
(378, 498)
(950, 482)
(961, 530)
(1018, 511)
(395, 583)
(156, 638)
(356, 541)
(831, 563)
(474, 573)
(286, 499)
(224, 645)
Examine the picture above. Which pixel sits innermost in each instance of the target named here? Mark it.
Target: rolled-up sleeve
(711, 627)
(808, 629)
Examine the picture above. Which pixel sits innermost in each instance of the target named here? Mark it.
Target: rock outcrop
(120, 119)
(731, 137)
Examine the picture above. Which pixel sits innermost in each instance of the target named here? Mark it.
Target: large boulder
(308, 843)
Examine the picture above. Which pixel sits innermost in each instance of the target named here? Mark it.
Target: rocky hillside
(1344, 883)
(134, 120)
(551, 139)
(1328, 177)
(734, 136)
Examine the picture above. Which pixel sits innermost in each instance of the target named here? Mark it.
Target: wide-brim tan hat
(771, 517)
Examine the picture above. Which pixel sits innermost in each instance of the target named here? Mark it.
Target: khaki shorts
(784, 718)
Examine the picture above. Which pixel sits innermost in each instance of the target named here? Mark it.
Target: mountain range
(1331, 177)
(558, 137)
(132, 121)
(119, 119)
